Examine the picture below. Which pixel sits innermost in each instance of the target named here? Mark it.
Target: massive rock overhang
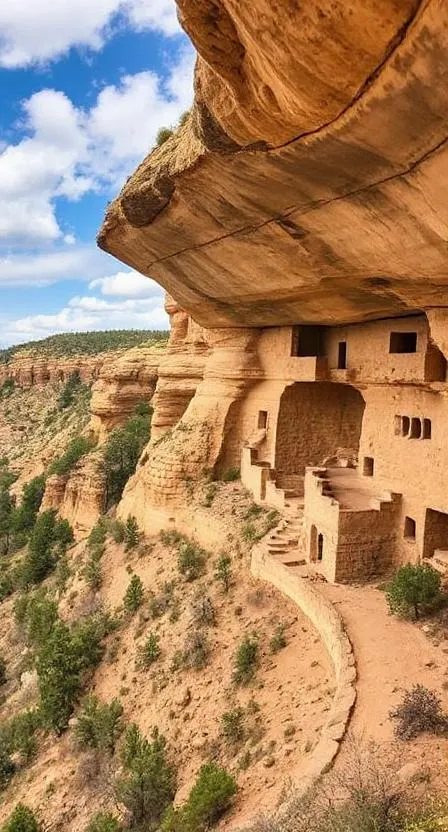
(345, 220)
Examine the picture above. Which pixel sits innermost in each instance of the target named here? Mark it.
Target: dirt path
(392, 655)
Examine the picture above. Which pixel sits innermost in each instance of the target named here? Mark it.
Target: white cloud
(126, 284)
(83, 314)
(68, 152)
(43, 268)
(37, 31)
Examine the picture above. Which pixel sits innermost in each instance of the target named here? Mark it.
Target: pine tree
(131, 533)
(223, 572)
(134, 594)
(58, 670)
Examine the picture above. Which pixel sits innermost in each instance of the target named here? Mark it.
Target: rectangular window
(403, 342)
(416, 428)
(427, 429)
(368, 466)
(398, 425)
(409, 528)
(405, 425)
(342, 355)
(307, 341)
(262, 419)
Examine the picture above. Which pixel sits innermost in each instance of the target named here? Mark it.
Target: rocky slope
(308, 183)
(282, 711)
(34, 430)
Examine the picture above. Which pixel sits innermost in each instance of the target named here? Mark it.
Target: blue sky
(85, 86)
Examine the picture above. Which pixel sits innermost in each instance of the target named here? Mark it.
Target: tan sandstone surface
(340, 216)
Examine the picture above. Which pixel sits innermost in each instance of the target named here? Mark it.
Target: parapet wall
(330, 627)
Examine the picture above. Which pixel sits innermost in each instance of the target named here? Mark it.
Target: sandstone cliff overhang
(309, 184)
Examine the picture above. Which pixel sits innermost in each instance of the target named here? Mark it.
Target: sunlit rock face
(309, 183)
(124, 381)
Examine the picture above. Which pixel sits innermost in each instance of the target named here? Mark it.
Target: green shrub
(7, 388)
(171, 537)
(131, 533)
(24, 516)
(278, 640)
(223, 572)
(121, 454)
(87, 636)
(148, 783)
(232, 724)
(21, 820)
(419, 712)
(99, 725)
(116, 529)
(7, 768)
(249, 533)
(69, 391)
(98, 534)
(39, 615)
(3, 677)
(414, 588)
(210, 797)
(104, 822)
(191, 560)
(134, 594)
(18, 734)
(163, 135)
(246, 661)
(231, 475)
(58, 668)
(150, 651)
(210, 494)
(76, 449)
(6, 586)
(93, 573)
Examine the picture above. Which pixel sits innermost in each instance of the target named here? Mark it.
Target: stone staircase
(284, 542)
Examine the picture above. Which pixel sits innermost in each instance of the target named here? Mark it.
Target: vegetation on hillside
(85, 343)
(122, 451)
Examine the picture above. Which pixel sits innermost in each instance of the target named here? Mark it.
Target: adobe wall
(329, 625)
(368, 355)
(314, 420)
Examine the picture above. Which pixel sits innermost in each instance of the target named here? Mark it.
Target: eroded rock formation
(308, 185)
(27, 370)
(123, 382)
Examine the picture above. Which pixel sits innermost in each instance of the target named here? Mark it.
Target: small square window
(409, 528)
(403, 342)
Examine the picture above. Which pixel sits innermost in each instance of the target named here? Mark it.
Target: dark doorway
(307, 341)
(342, 355)
(436, 532)
(368, 466)
(320, 547)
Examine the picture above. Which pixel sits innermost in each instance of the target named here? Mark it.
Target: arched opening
(320, 546)
(317, 421)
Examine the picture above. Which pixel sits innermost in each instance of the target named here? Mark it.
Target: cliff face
(123, 382)
(28, 370)
(308, 185)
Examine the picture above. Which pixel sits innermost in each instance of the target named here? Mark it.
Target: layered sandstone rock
(308, 185)
(27, 370)
(191, 449)
(84, 495)
(123, 382)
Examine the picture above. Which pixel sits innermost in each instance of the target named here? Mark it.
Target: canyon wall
(27, 370)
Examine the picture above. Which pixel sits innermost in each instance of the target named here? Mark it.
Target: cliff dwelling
(317, 288)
